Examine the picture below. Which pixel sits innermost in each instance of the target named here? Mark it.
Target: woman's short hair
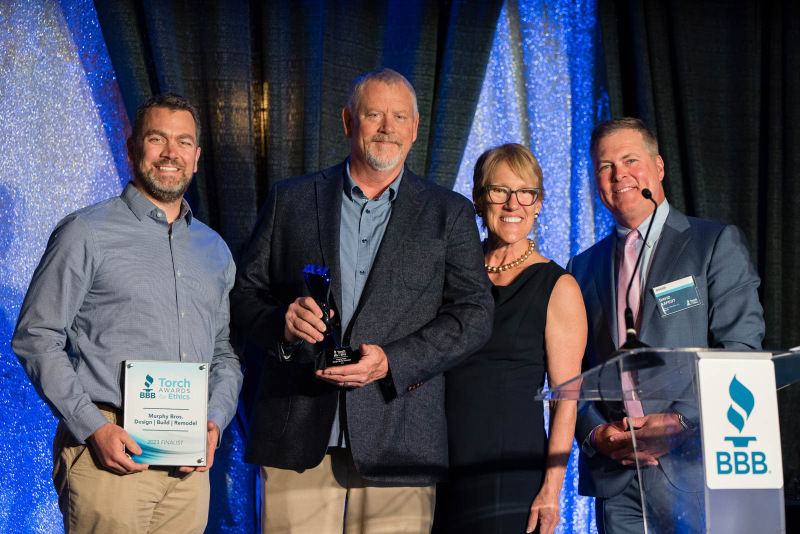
(518, 157)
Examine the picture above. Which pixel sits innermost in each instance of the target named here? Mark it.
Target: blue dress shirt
(363, 224)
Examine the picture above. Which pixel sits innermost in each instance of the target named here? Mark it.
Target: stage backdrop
(541, 77)
(270, 79)
(62, 131)
(60, 95)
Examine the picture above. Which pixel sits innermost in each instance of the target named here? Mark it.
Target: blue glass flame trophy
(318, 280)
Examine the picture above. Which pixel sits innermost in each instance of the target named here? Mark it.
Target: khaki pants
(314, 501)
(93, 499)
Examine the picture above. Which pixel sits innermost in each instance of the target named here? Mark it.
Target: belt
(108, 408)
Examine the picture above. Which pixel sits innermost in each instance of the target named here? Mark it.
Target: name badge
(677, 296)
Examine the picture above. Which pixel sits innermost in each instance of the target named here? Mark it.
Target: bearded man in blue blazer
(409, 291)
(712, 261)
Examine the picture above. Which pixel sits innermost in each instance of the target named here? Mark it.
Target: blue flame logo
(148, 381)
(743, 398)
(739, 411)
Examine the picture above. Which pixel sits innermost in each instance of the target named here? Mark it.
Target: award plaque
(166, 411)
(318, 280)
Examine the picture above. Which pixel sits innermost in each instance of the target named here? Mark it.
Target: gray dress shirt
(117, 283)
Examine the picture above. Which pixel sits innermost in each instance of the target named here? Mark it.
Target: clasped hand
(656, 435)
(303, 320)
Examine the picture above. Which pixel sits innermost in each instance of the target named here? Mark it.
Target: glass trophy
(318, 280)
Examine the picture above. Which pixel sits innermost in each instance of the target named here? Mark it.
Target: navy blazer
(426, 302)
(730, 316)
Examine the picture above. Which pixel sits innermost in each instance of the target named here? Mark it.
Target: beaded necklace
(531, 248)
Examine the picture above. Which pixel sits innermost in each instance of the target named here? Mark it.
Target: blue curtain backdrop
(62, 131)
(540, 77)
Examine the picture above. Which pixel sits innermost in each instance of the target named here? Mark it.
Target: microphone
(631, 338)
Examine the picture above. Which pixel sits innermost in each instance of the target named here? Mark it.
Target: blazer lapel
(671, 244)
(606, 284)
(329, 214)
(405, 209)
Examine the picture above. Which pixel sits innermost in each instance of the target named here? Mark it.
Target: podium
(727, 453)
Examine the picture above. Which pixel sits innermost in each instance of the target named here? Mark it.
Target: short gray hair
(385, 75)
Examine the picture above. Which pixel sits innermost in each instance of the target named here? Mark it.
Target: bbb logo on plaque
(167, 388)
(147, 392)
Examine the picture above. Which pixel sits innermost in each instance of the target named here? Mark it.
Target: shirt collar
(351, 189)
(142, 207)
(658, 224)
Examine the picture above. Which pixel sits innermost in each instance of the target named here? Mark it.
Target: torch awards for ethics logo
(166, 411)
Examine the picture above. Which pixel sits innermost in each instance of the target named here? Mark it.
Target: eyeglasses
(500, 194)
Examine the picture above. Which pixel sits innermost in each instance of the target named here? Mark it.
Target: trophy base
(341, 356)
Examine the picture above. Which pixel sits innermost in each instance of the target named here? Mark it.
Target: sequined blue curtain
(544, 88)
(62, 132)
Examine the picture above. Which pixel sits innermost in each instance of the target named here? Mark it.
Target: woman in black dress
(505, 475)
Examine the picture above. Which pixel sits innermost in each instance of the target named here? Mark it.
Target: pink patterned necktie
(627, 263)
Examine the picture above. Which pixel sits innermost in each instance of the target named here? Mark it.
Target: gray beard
(381, 164)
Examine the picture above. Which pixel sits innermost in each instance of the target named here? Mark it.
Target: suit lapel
(671, 244)
(329, 214)
(606, 284)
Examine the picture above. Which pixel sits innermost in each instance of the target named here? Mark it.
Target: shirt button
(158, 214)
(368, 211)
(363, 240)
(361, 273)
(179, 274)
(181, 314)
(183, 355)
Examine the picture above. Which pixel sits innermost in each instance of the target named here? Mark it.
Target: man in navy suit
(709, 260)
(409, 291)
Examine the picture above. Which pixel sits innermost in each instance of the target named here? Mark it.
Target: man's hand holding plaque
(318, 281)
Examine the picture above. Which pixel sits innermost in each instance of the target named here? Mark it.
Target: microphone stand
(631, 337)
(632, 342)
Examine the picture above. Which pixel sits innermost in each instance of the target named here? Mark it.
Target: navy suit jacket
(730, 316)
(426, 302)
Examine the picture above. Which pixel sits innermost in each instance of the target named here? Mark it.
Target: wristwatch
(287, 348)
(685, 423)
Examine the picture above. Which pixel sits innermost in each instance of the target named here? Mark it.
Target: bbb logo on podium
(739, 411)
(742, 404)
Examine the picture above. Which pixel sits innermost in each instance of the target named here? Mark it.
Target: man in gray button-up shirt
(133, 277)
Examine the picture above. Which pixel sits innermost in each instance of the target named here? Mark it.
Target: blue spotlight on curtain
(540, 90)
(62, 130)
